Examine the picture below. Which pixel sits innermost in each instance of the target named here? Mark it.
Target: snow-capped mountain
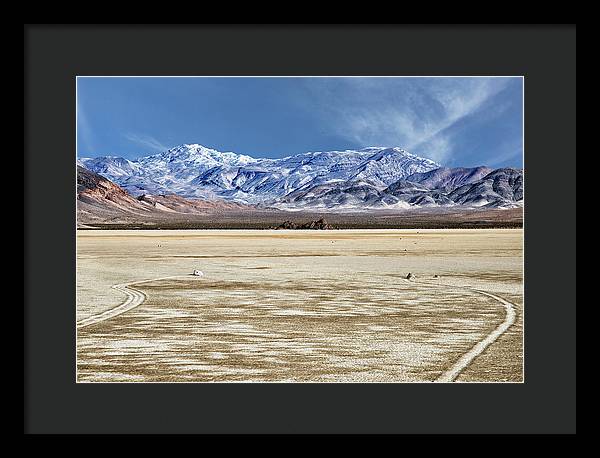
(369, 178)
(100, 200)
(110, 167)
(196, 171)
(501, 188)
(448, 179)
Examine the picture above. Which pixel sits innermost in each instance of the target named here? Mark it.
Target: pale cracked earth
(299, 306)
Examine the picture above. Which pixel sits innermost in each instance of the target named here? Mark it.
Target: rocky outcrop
(319, 224)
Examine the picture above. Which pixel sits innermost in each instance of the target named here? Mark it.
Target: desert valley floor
(301, 306)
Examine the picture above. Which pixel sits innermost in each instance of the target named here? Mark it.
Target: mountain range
(364, 179)
(101, 200)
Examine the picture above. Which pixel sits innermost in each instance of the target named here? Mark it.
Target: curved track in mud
(466, 359)
(135, 298)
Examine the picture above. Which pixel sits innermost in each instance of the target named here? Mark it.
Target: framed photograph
(341, 237)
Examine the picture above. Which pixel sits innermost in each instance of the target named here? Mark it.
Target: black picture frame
(54, 55)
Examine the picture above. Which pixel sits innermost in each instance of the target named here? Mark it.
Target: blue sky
(455, 121)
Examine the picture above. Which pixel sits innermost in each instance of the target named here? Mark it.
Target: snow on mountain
(502, 188)
(344, 194)
(111, 167)
(186, 162)
(406, 192)
(391, 164)
(449, 178)
(373, 177)
(194, 171)
(100, 200)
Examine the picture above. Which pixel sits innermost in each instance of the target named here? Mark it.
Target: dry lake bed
(300, 306)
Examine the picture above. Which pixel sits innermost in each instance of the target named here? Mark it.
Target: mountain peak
(194, 154)
(191, 170)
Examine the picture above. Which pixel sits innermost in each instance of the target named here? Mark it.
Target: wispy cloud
(439, 148)
(415, 113)
(84, 132)
(501, 159)
(146, 141)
